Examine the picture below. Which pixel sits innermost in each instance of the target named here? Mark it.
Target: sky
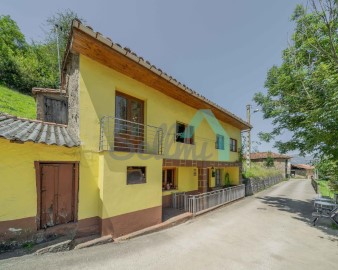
(219, 48)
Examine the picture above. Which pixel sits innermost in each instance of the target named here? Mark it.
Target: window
(169, 179)
(220, 142)
(129, 129)
(129, 108)
(136, 175)
(233, 145)
(184, 133)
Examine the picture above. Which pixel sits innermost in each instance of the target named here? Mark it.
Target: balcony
(127, 136)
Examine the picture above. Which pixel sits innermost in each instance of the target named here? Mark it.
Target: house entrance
(57, 185)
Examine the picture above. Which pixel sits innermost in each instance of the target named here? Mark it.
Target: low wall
(253, 186)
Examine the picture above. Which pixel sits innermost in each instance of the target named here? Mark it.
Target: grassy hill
(16, 103)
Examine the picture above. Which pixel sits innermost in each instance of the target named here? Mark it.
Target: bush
(258, 171)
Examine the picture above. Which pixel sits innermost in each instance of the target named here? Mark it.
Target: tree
(269, 162)
(12, 45)
(302, 93)
(60, 24)
(23, 65)
(57, 25)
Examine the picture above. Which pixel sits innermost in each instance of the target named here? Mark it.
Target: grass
(258, 171)
(28, 245)
(324, 189)
(16, 103)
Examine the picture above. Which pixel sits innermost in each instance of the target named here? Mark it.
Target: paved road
(271, 230)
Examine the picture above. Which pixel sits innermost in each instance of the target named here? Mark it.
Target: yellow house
(138, 136)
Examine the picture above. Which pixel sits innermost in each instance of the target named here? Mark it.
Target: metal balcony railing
(127, 136)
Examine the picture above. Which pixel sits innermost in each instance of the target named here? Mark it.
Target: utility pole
(248, 145)
(58, 49)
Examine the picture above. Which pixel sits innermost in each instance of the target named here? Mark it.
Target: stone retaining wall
(253, 186)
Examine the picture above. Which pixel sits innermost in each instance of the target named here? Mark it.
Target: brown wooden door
(57, 194)
(129, 124)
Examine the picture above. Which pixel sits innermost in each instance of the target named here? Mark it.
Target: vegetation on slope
(258, 171)
(16, 103)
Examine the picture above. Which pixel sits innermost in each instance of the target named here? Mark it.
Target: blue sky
(222, 49)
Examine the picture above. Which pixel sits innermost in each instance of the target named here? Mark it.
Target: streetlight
(248, 148)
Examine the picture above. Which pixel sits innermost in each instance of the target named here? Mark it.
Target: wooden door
(129, 128)
(57, 194)
(55, 111)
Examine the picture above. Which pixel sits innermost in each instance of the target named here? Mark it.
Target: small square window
(219, 142)
(233, 145)
(184, 133)
(136, 175)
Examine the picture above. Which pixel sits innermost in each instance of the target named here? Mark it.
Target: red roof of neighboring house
(303, 166)
(261, 155)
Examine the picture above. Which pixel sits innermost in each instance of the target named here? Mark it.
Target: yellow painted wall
(186, 180)
(104, 175)
(118, 197)
(18, 197)
(89, 186)
(233, 173)
(98, 84)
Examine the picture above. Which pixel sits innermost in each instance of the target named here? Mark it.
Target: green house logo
(223, 155)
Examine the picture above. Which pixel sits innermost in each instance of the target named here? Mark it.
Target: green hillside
(15, 103)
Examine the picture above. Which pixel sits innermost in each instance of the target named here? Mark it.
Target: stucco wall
(18, 196)
(98, 85)
(116, 196)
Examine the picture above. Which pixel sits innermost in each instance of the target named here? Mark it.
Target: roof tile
(20, 129)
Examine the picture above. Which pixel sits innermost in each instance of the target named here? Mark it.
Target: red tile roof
(303, 166)
(261, 155)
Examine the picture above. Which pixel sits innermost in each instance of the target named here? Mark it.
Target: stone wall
(253, 186)
(71, 85)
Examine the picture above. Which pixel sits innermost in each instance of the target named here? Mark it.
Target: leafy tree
(12, 45)
(23, 65)
(60, 24)
(302, 93)
(269, 162)
(328, 169)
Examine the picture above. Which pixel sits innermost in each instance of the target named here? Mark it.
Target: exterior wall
(123, 205)
(234, 175)
(187, 181)
(71, 84)
(99, 83)
(18, 194)
(117, 196)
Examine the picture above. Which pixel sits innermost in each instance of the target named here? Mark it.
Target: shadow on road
(303, 211)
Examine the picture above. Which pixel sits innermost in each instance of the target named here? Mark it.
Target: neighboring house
(133, 136)
(280, 162)
(307, 171)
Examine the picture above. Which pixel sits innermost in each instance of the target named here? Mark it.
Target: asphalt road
(271, 230)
